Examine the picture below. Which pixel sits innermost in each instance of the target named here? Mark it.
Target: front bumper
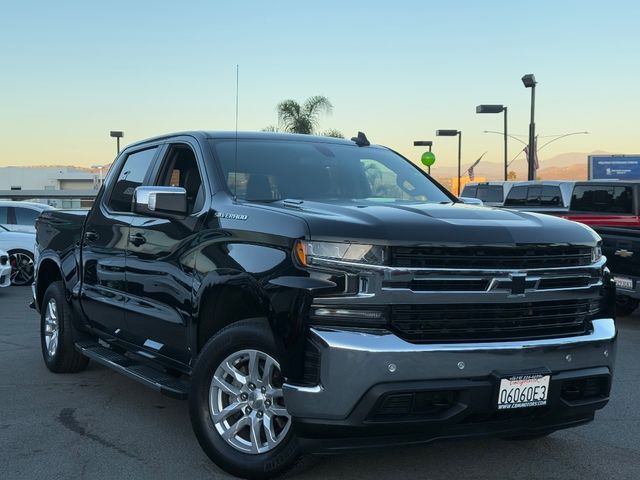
(5, 275)
(358, 368)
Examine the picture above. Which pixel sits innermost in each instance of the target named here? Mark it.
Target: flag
(470, 170)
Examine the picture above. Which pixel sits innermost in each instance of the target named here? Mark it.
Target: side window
(469, 191)
(26, 216)
(4, 214)
(533, 195)
(180, 169)
(517, 196)
(622, 200)
(490, 193)
(132, 175)
(551, 196)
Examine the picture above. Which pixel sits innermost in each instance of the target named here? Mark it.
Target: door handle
(137, 239)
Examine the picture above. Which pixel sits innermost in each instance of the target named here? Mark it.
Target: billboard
(614, 167)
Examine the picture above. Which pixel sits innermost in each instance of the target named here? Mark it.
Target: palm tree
(298, 118)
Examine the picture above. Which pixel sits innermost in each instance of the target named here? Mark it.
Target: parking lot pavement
(100, 425)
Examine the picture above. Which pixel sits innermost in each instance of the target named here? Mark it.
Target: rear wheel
(21, 267)
(237, 406)
(626, 305)
(56, 333)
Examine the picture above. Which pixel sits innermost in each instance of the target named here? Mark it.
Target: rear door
(160, 259)
(105, 243)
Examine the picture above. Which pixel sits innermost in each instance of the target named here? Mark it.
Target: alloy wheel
(51, 327)
(21, 268)
(247, 404)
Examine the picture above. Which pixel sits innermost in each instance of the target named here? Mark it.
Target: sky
(71, 71)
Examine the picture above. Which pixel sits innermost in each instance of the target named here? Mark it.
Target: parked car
(612, 208)
(544, 196)
(20, 216)
(492, 194)
(5, 269)
(20, 247)
(313, 294)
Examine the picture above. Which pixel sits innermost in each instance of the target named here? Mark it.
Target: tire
(626, 305)
(277, 448)
(56, 333)
(21, 267)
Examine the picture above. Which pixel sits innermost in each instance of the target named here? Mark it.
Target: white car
(20, 216)
(20, 246)
(5, 269)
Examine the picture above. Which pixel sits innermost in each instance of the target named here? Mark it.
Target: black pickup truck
(309, 294)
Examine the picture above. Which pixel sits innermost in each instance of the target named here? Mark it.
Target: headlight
(309, 253)
(596, 254)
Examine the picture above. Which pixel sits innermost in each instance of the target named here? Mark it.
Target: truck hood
(414, 224)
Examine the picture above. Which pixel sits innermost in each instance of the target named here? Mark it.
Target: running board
(160, 381)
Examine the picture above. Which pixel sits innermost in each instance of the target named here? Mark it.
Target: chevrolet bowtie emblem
(623, 252)
(518, 283)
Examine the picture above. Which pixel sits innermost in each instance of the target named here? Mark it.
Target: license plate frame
(623, 282)
(524, 390)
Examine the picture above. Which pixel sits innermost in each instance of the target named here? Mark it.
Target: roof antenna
(235, 167)
(361, 140)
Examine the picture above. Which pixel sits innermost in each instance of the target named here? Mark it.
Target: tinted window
(132, 175)
(602, 199)
(517, 196)
(469, 191)
(3, 215)
(490, 193)
(551, 196)
(270, 170)
(26, 216)
(533, 195)
(180, 169)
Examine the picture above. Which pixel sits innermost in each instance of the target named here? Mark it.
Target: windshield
(271, 170)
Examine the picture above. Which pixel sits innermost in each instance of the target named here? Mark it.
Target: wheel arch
(48, 271)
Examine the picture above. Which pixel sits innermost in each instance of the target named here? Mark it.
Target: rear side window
(469, 191)
(4, 213)
(26, 216)
(517, 196)
(551, 196)
(602, 199)
(133, 173)
(490, 193)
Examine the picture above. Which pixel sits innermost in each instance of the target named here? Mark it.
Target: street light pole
(117, 135)
(498, 109)
(529, 81)
(453, 133)
(506, 174)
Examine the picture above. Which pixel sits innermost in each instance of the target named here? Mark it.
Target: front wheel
(21, 267)
(236, 403)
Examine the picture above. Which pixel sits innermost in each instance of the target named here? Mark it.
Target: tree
(332, 132)
(512, 175)
(297, 118)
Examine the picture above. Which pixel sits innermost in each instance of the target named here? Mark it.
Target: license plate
(522, 391)
(623, 282)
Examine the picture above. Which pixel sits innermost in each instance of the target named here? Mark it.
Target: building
(51, 178)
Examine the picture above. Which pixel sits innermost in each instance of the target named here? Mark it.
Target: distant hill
(565, 166)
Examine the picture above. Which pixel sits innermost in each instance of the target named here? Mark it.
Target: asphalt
(100, 425)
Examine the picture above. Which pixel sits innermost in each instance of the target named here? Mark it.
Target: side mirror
(163, 202)
(471, 201)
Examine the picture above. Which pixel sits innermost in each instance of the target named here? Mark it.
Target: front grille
(311, 374)
(518, 257)
(492, 321)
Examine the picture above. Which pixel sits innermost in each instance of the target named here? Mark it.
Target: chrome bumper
(354, 361)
